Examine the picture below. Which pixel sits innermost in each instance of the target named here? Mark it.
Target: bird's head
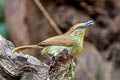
(81, 26)
(77, 33)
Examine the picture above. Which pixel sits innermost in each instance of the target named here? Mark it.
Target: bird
(72, 40)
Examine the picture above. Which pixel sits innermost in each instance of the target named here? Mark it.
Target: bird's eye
(80, 27)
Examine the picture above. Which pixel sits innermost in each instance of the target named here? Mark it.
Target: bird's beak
(88, 23)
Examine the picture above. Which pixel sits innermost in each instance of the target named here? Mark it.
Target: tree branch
(48, 17)
(25, 67)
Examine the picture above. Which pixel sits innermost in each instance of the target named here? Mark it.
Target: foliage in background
(3, 28)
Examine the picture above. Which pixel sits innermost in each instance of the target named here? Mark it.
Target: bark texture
(17, 66)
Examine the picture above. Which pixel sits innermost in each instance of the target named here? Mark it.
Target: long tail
(17, 49)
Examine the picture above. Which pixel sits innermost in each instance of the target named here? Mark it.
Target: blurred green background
(3, 27)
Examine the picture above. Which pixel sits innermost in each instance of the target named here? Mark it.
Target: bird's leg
(25, 47)
(71, 70)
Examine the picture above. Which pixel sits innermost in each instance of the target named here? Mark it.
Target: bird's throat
(78, 37)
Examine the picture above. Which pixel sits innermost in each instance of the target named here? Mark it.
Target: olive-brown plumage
(72, 40)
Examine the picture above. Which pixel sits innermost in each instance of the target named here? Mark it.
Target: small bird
(72, 40)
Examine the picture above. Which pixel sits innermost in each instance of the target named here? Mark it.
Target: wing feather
(57, 40)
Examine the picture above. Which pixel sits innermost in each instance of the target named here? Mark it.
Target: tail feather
(17, 49)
